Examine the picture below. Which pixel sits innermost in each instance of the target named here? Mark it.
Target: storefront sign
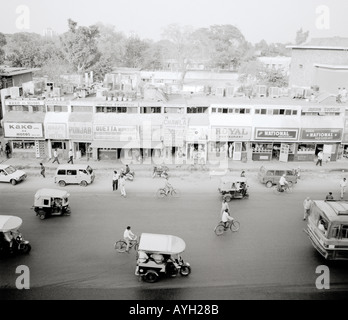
(80, 131)
(119, 133)
(321, 134)
(322, 109)
(24, 103)
(175, 123)
(23, 130)
(230, 133)
(118, 104)
(55, 131)
(276, 134)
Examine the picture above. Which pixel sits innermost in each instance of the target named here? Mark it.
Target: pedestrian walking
(55, 155)
(320, 158)
(115, 178)
(71, 157)
(7, 150)
(343, 185)
(123, 186)
(307, 204)
(224, 206)
(42, 170)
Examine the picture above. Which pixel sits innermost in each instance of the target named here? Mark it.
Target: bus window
(335, 231)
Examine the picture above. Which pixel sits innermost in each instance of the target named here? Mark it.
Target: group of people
(119, 180)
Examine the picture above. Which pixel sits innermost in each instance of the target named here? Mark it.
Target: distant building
(277, 63)
(321, 63)
(49, 33)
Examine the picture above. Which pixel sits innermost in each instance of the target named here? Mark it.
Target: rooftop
(334, 43)
(12, 71)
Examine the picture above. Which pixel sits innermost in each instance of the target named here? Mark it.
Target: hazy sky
(272, 20)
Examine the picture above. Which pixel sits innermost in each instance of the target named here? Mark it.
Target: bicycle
(285, 189)
(221, 227)
(162, 192)
(121, 245)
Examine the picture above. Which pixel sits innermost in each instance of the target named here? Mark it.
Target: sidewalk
(33, 165)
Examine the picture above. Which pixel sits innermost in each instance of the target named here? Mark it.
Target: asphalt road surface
(270, 257)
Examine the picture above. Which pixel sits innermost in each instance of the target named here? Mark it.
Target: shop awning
(116, 144)
(23, 117)
(81, 117)
(57, 117)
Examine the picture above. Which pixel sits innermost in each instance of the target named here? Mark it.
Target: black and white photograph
(173, 151)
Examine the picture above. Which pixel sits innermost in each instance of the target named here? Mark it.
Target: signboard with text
(275, 134)
(80, 131)
(230, 133)
(111, 132)
(23, 130)
(55, 131)
(321, 134)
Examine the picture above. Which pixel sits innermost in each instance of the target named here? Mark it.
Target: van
(270, 177)
(11, 174)
(74, 174)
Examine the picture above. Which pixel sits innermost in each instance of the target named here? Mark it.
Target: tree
(134, 48)
(80, 46)
(2, 45)
(180, 45)
(301, 37)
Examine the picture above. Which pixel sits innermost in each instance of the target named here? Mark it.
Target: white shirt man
(128, 235)
(307, 203)
(226, 217)
(282, 181)
(224, 206)
(343, 185)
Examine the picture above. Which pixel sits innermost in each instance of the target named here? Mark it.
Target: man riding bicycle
(226, 218)
(167, 186)
(128, 236)
(282, 182)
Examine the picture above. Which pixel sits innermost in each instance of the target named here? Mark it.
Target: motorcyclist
(127, 170)
(282, 182)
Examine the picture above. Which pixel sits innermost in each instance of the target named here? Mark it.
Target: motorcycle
(160, 172)
(128, 176)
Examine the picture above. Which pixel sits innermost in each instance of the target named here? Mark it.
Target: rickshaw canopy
(8, 223)
(161, 243)
(51, 193)
(226, 183)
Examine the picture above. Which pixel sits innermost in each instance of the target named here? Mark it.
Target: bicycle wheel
(276, 190)
(288, 190)
(219, 229)
(161, 193)
(121, 246)
(234, 226)
(175, 193)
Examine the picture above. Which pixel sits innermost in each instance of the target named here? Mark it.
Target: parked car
(11, 174)
(74, 174)
(270, 177)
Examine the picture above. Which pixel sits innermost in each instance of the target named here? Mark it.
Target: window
(213, 110)
(257, 111)
(36, 109)
(263, 111)
(275, 111)
(82, 109)
(230, 110)
(150, 109)
(52, 108)
(26, 108)
(294, 112)
(335, 232)
(288, 112)
(344, 232)
(61, 173)
(281, 111)
(71, 172)
(24, 145)
(224, 110)
(46, 202)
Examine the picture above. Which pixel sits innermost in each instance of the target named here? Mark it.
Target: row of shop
(183, 139)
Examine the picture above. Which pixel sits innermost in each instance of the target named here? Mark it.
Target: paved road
(73, 257)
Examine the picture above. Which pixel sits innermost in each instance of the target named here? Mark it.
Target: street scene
(202, 162)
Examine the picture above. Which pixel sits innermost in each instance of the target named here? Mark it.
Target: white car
(10, 174)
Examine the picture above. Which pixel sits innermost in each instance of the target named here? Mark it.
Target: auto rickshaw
(11, 240)
(233, 188)
(160, 255)
(51, 202)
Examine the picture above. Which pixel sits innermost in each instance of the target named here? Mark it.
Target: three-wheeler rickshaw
(233, 188)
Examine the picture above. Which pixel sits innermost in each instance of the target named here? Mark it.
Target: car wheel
(42, 215)
(227, 197)
(151, 276)
(13, 182)
(83, 184)
(27, 248)
(269, 184)
(61, 183)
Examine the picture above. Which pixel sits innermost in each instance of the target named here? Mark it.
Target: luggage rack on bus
(339, 206)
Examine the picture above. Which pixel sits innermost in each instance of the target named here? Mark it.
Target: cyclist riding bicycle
(128, 236)
(282, 182)
(167, 186)
(226, 218)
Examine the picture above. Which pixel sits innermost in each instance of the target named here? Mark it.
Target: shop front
(197, 144)
(115, 138)
(174, 132)
(26, 139)
(312, 141)
(56, 132)
(80, 132)
(274, 144)
(229, 142)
